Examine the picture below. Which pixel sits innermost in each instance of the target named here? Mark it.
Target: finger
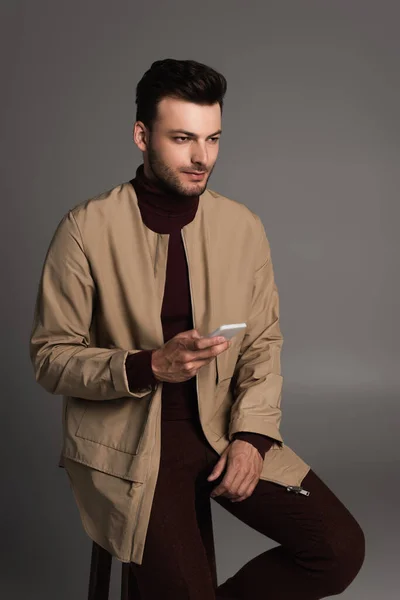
(244, 497)
(219, 467)
(237, 482)
(187, 337)
(219, 343)
(196, 364)
(217, 491)
(239, 487)
(247, 492)
(192, 358)
(225, 487)
(248, 483)
(222, 490)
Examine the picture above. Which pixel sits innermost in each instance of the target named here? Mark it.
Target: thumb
(194, 334)
(219, 467)
(191, 334)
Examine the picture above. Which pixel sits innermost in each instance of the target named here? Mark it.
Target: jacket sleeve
(63, 360)
(262, 443)
(139, 371)
(258, 380)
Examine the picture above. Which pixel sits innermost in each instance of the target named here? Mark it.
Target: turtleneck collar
(149, 193)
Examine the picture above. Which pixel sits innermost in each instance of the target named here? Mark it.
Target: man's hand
(182, 356)
(244, 466)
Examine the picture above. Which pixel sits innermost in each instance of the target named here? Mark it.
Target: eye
(214, 139)
(181, 138)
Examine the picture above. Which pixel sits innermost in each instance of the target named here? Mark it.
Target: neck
(151, 192)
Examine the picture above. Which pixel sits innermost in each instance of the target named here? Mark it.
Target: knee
(347, 553)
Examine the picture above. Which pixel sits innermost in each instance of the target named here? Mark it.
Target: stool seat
(100, 575)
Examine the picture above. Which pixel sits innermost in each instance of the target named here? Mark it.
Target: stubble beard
(169, 181)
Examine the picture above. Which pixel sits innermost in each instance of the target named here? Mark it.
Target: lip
(196, 174)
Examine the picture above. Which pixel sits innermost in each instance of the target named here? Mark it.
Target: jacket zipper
(141, 499)
(297, 489)
(190, 279)
(191, 300)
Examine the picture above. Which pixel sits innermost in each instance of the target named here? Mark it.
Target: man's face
(184, 138)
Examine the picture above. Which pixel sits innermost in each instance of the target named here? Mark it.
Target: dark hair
(182, 79)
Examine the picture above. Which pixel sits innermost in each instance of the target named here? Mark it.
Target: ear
(140, 136)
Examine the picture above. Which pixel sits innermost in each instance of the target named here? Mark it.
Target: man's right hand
(183, 355)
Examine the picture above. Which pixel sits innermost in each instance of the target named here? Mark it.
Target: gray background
(310, 143)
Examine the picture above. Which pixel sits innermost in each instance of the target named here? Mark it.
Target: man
(158, 417)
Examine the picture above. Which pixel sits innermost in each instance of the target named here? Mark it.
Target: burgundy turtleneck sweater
(164, 212)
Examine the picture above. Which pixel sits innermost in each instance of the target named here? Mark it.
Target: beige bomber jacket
(99, 299)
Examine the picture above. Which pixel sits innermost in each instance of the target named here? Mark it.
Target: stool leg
(129, 587)
(100, 572)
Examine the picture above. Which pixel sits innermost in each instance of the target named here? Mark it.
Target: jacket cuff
(268, 426)
(139, 372)
(262, 442)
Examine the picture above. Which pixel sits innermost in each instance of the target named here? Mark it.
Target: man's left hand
(244, 466)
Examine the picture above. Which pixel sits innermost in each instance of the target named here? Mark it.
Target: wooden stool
(100, 575)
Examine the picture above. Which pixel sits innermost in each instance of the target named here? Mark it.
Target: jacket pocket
(117, 424)
(226, 361)
(219, 422)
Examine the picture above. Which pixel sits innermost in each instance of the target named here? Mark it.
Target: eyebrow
(190, 134)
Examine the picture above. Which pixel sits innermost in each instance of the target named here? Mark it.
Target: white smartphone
(228, 331)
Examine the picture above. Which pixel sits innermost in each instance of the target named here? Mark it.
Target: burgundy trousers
(320, 550)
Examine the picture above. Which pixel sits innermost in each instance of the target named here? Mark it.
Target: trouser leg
(178, 561)
(321, 544)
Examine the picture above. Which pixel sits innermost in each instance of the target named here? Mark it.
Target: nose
(199, 155)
